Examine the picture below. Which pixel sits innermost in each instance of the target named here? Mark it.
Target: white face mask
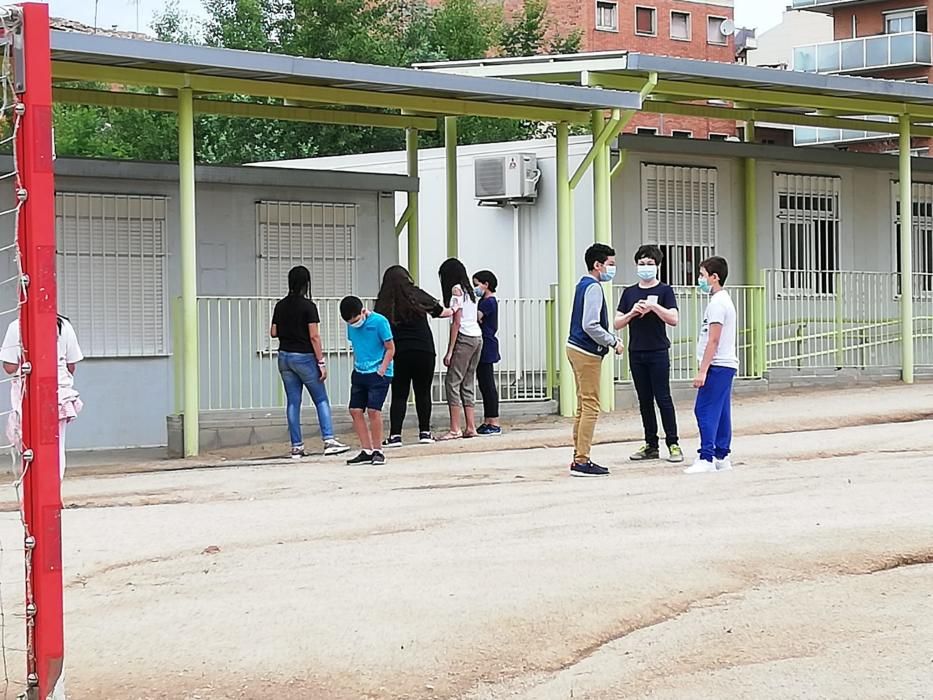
(360, 322)
(647, 272)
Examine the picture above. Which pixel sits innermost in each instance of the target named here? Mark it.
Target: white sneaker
(701, 466)
(334, 447)
(723, 465)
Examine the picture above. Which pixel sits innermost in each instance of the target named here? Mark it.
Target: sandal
(467, 436)
(450, 435)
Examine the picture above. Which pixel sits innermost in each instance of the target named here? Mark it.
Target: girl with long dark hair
(297, 324)
(463, 349)
(407, 307)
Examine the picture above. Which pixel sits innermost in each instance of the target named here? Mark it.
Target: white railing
(692, 304)
(832, 320)
(866, 53)
(239, 367)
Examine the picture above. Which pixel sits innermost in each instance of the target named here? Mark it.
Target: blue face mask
(704, 285)
(478, 291)
(608, 273)
(648, 272)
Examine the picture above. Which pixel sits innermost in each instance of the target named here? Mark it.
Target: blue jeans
(713, 410)
(300, 370)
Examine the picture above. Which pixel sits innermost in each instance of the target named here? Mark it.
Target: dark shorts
(368, 391)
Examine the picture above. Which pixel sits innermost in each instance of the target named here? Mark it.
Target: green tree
(531, 31)
(388, 32)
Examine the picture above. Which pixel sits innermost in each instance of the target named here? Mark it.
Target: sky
(136, 15)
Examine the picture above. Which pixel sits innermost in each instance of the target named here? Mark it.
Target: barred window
(680, 216)
(922, 240)
(807, 221)
(111, 271)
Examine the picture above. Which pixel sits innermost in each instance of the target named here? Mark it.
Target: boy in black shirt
(647, 309)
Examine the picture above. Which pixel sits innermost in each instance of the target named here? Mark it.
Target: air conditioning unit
(504, 179)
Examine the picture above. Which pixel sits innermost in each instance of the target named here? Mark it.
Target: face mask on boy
(648, 272)
(608, 273)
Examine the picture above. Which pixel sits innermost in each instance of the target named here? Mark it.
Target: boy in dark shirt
(647, 308)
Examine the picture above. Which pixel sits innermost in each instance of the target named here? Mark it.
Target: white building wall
(797, 28)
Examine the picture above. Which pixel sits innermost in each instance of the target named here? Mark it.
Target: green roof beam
(763, 115)
(772, 98)
(291, 91)
(158, 103)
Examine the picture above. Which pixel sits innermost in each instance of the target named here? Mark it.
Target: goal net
(31, 612)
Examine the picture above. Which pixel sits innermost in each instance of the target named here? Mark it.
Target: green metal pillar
(907, 264)
(414, 243)
(450, 147)
(602, 233)
(751, 212)
(565, 266)
(189, 270)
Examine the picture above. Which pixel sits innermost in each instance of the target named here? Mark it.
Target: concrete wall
(127, 399)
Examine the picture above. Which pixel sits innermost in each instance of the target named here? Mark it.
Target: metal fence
(239, 369)
(691, 304)
(852, 322)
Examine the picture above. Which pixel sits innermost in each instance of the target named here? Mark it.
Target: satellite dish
(727, 28)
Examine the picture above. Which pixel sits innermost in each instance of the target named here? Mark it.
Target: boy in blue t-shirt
(373, 349)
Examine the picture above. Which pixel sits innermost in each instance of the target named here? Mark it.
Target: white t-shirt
(69, 352)
(721, 310)
(469, 322)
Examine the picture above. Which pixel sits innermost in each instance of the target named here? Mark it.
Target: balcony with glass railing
(866, 54)
(812, 136)
(819, 4)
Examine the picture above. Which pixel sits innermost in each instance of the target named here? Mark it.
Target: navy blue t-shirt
(647, 333)
(489, 307)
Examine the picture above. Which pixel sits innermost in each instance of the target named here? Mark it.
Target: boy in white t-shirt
(69, 401)
(719, 363)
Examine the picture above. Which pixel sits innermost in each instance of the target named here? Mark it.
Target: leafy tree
(388, 32)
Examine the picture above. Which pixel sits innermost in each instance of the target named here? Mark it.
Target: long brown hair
(400, 300)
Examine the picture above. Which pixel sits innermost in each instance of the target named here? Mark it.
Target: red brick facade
(582, 15)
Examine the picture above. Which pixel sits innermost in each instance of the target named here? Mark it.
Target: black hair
(488, 278)
(597, 253)
(400, 300)
(453, 273)
(61, 321)
(716, 266)
(299, 281)
(350, 307)
(650, 251)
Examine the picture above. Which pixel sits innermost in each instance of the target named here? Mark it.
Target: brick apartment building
(873, 38)
(682, 28)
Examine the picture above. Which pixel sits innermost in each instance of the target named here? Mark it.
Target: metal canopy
(683, 80)
(121, 59)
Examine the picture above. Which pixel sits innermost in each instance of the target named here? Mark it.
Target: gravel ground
(475, 575)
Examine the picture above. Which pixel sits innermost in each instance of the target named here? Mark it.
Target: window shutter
(111, 271)
(319, 235)
(680, 214)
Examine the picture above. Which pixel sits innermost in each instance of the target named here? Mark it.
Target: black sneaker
(425, 437)
(363, 457)
(378, 459)
(587, 469)
(392, 441)
(646, 452)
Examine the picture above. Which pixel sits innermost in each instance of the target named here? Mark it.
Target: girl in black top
(407, 307)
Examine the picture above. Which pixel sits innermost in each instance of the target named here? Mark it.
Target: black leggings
(486, 374)
(412, 369)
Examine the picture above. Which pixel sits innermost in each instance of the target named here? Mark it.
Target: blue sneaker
(587, 469)
(486, 429)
